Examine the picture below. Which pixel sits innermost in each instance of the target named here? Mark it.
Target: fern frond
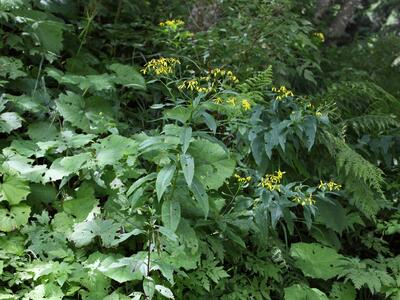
(363, 180)
(258, 84)
(372, 123)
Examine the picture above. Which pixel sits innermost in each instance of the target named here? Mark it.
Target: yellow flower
(172, 24)
(243, 180)
(192, 84)
(246, 104)
(320, 36)
(331, 186)
(218, 100)
(231, 101)
(161, 66)
(309, 200)
(272, 182)
(318, 114)
(282, 92)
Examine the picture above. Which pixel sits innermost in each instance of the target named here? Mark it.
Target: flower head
(272, 181)
(246, 104)
(161, 66)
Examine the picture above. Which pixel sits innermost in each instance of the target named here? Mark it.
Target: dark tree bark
(322, 7)
(343, 18)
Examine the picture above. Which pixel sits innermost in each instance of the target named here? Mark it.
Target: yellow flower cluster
(245, 103)
(309, 200)
(282, 92)
(272, 181)
(243, 180)
(320, 36)
(330, 186)
(217, 72)
(194, 85)
(172, 24)
(161, 66)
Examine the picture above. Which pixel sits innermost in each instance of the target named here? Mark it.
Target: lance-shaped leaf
(171, 214)
(187, 164)
(164, 178)
(201, 196)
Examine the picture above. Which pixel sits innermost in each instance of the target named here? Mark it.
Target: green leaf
(328, 209)
(74, 163)
(164, 178)
(14, 190)
(10, 121)
(185, 138)
(149, 287)
(15, 217)
(11, 67)
(49, 34)
(310, 126)
(171, 214)
(187, 164)
(113, 148)
(213, 164)
(201, 196)
(139, 182)
(72, 108)
(128, 76)
(302, 292)
(80, 206)
(210, 121)
(343, 291)
(316, 261)
(181, 114)
(164, 291)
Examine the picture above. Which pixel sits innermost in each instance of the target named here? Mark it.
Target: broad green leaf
(343, 291)
(201, 196)
(302, 292)
(171, 214)
(11, 67)
(13, 218)
(80, 206)
(185, 138)
(10, 121)
(316, 261)
(113, 148)
(328, 209)
(310, 126)
(187, 164)
(49, 34)
(55, 172)
(14, 190)
(128, 76)
(213, 164)
(181, 114)
(74, 163)
(164, 291)
(72, 108)
(164, 178)
(149, 287)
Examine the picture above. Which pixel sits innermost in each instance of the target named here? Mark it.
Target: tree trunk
(322, 7)
(343, 18)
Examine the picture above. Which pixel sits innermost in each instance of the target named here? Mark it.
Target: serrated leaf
(164, 178)
(10, 121)
(128, 76)
(201, 196)
(213, 164)
(49, 34)
(80, 206)
(171, 214)
(14, 190)
(187, 164)
(317, 261)
(13, 218)
(302, 292)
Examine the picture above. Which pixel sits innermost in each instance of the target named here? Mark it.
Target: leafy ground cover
(152, 153)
